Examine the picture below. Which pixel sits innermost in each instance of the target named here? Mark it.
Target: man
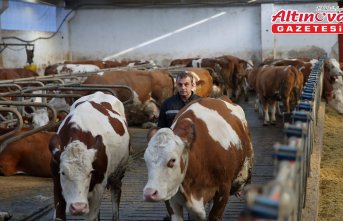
(171, 106)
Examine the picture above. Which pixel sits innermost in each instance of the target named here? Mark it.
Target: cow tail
(296, 88)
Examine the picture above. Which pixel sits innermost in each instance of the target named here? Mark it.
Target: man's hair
(184, 74)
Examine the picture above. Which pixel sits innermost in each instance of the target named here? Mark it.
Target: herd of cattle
(89, 150)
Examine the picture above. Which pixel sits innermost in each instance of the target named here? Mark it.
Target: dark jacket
(170, 107)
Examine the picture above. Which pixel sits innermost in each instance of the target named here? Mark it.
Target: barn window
(29, 17)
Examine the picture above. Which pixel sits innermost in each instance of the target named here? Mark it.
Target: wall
(163, 34)
(49, 49)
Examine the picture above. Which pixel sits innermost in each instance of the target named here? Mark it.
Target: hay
(331, 168)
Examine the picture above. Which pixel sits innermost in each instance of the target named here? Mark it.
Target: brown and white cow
(150, 88)
(331, 73)
(205, 156)
(333, 67)
(99, 63)
(222, 72)
(337, 100)
(89, 153)
(203, 81)
(187, 62)
(71, 69)
(29, 155)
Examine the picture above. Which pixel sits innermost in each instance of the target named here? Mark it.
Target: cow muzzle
(150, 195)
(78, 208)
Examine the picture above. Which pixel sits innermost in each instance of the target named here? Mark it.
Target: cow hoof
(166, 218)
(265, 123)
(273, 123)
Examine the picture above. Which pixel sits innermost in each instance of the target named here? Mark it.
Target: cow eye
(171, 163)
(63, 173)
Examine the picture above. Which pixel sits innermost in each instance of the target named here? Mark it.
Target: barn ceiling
(72, 4)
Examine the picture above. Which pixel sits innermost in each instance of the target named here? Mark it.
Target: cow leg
(238, 93)
(177, 209)
(229, 92)
(246, 89)
(278, 109)
(60, 204)
(219, 202)
(8, 165)
(286, 104)
(265, 112)
(95, 202)
(273, 110)
(259, 108)
(115, 184)
(115, 195)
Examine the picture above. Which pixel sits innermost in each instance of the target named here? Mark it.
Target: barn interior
(41, 34)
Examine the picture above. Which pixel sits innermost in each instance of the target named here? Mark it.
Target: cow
(89, 153)
(337, 100)
(150, 88)
(29, 155)
(14, 73)
(25, 73)
(333, 67)
(277, 83)
(304, 66)
(187, 62)
(99, 63)
(206, 155)
(222, 72)
(203, 81)
(331, 73)
(115, 63)
(238, 78)
(71, 69)
(8, 74)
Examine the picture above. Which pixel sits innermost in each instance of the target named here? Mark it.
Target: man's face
(184, 86)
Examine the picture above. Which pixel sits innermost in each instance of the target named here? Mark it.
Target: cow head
(332, 66)
(75, 171)
(40, 118)
(166, 158)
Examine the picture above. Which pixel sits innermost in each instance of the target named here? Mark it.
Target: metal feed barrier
(23, 90)
(284, 197)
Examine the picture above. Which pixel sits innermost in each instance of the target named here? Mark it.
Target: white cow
(337, 101)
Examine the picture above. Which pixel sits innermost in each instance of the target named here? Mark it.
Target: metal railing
(284, 197)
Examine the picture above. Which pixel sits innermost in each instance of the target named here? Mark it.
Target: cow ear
(55, 146)
(200, 83)
(97, 142)
(151, 132)
(185, 130)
